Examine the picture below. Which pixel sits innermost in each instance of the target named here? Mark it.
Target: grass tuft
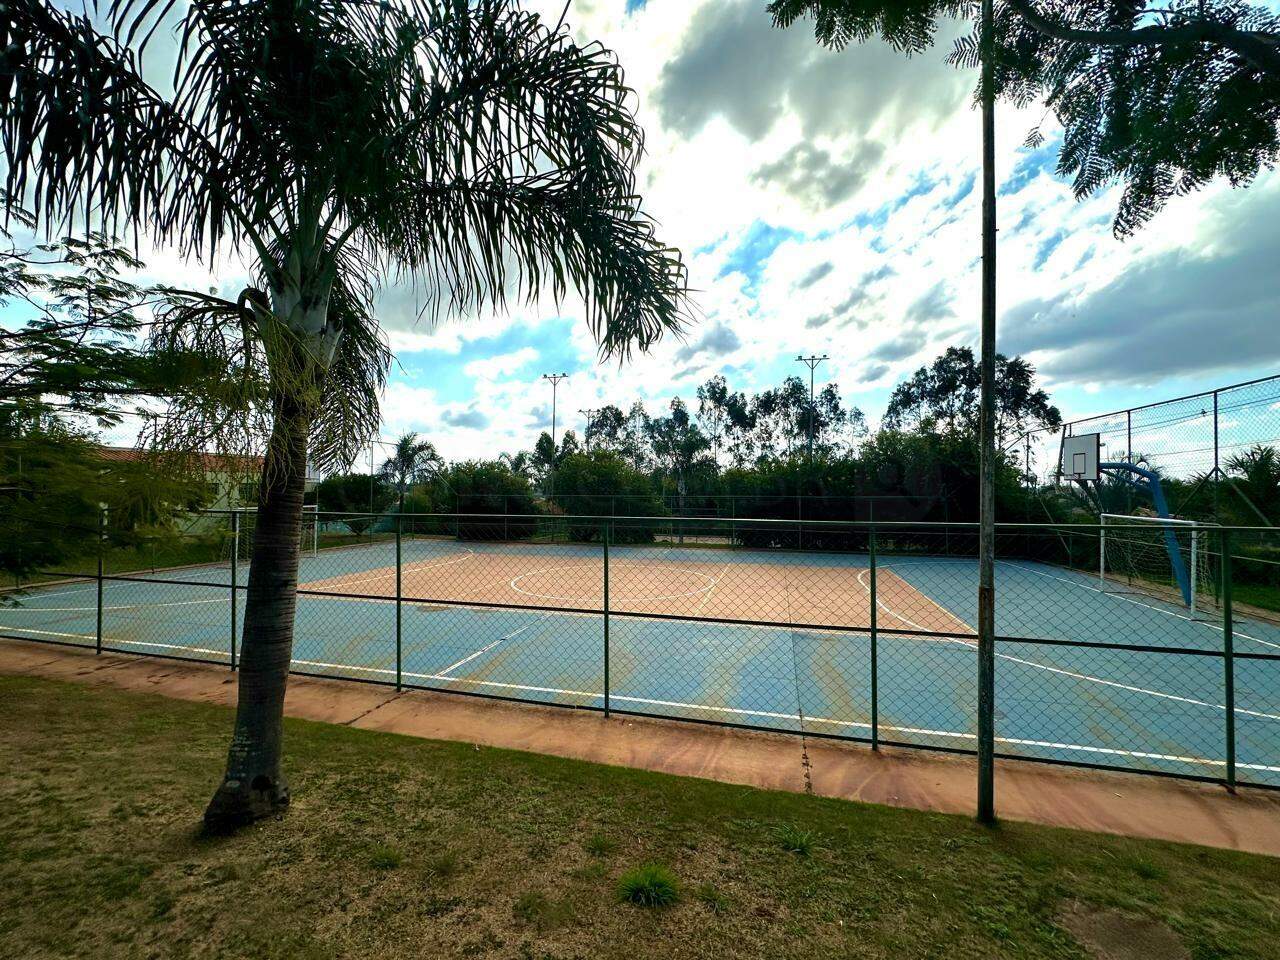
(711, 898)
(444, 865)
(598, 845)
(651, 885)
(797, 840)
(383, 857)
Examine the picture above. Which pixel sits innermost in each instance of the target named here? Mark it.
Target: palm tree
(465, 145)
(411, 460)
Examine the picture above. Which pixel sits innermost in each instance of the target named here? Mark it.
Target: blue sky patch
(553, 340)
(757, 246)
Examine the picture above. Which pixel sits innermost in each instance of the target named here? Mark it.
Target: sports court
(762, 638)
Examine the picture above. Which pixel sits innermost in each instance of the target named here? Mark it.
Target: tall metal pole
(235, 581)
(811, 363)
(102, 536)
(590, 414)
(986, 812)
(604, 539)
(1228, 661)
(555, 379)
(1217, 470)
(875, 652)
(399, 599)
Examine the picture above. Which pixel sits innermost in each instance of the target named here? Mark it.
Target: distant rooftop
(210, 461)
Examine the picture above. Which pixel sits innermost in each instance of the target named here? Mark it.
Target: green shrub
(651, 885)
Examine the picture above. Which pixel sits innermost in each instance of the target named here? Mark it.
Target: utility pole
(555, 379)
(987, 453)
(590, 414)
(811, 363)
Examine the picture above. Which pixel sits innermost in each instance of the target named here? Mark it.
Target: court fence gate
(857, 632)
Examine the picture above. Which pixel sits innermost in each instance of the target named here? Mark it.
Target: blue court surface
(1160, 709)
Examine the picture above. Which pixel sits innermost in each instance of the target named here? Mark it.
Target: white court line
(125, 606)
(35, 591)
(1168, 613)
(1058, 670)
(715, 582)
(485, 649)
(677, 704)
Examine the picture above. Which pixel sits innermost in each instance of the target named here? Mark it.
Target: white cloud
(502, 365)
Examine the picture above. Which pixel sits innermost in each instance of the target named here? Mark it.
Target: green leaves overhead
(1162, 99)
(466, 144)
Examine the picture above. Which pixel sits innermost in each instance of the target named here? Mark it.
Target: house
(231, 482)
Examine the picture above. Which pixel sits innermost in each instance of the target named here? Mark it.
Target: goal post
(1155, 555)
(241, 539)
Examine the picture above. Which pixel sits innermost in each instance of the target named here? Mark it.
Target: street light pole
(811, 363)
(590, 414)
(555, 379)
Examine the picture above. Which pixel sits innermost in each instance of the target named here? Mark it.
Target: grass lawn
(397, 847)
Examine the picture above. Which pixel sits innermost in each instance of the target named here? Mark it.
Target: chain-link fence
(1202, 442)
(851, 630)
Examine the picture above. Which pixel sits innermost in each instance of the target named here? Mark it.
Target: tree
(1164, 98)
(944, 396)
(81, 339)
(723, 415)
(598, 483)
(635, 437)
(519, 463)
(606, 429)
(544, 458)
(1254, 477)
(469, 145)
(354, 493)
(411, 460)
(677, 442)
(490, 486)
(57, 488)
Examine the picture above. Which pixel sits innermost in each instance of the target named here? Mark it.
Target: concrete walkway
(1110, 803)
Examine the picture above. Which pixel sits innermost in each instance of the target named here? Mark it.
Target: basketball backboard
(1080, 457)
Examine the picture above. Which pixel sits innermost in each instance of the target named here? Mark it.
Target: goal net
(241, 525)
(1160, 557)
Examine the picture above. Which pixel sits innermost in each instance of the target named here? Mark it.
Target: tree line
(920, 464)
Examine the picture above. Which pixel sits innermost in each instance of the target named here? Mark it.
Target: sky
(827, 202)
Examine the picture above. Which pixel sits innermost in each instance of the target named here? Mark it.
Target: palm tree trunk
(254, 784)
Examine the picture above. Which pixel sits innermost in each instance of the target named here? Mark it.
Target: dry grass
(398, 847)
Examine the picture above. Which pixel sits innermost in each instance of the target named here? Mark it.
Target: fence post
(235, 580)
(102, 534)
(399, 599)
(1228, 660)
(605, 540)
(875, 675)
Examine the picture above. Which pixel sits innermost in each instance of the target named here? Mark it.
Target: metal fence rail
(1185, 438)
(853, 631)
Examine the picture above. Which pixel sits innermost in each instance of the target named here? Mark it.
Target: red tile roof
(209, 461)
